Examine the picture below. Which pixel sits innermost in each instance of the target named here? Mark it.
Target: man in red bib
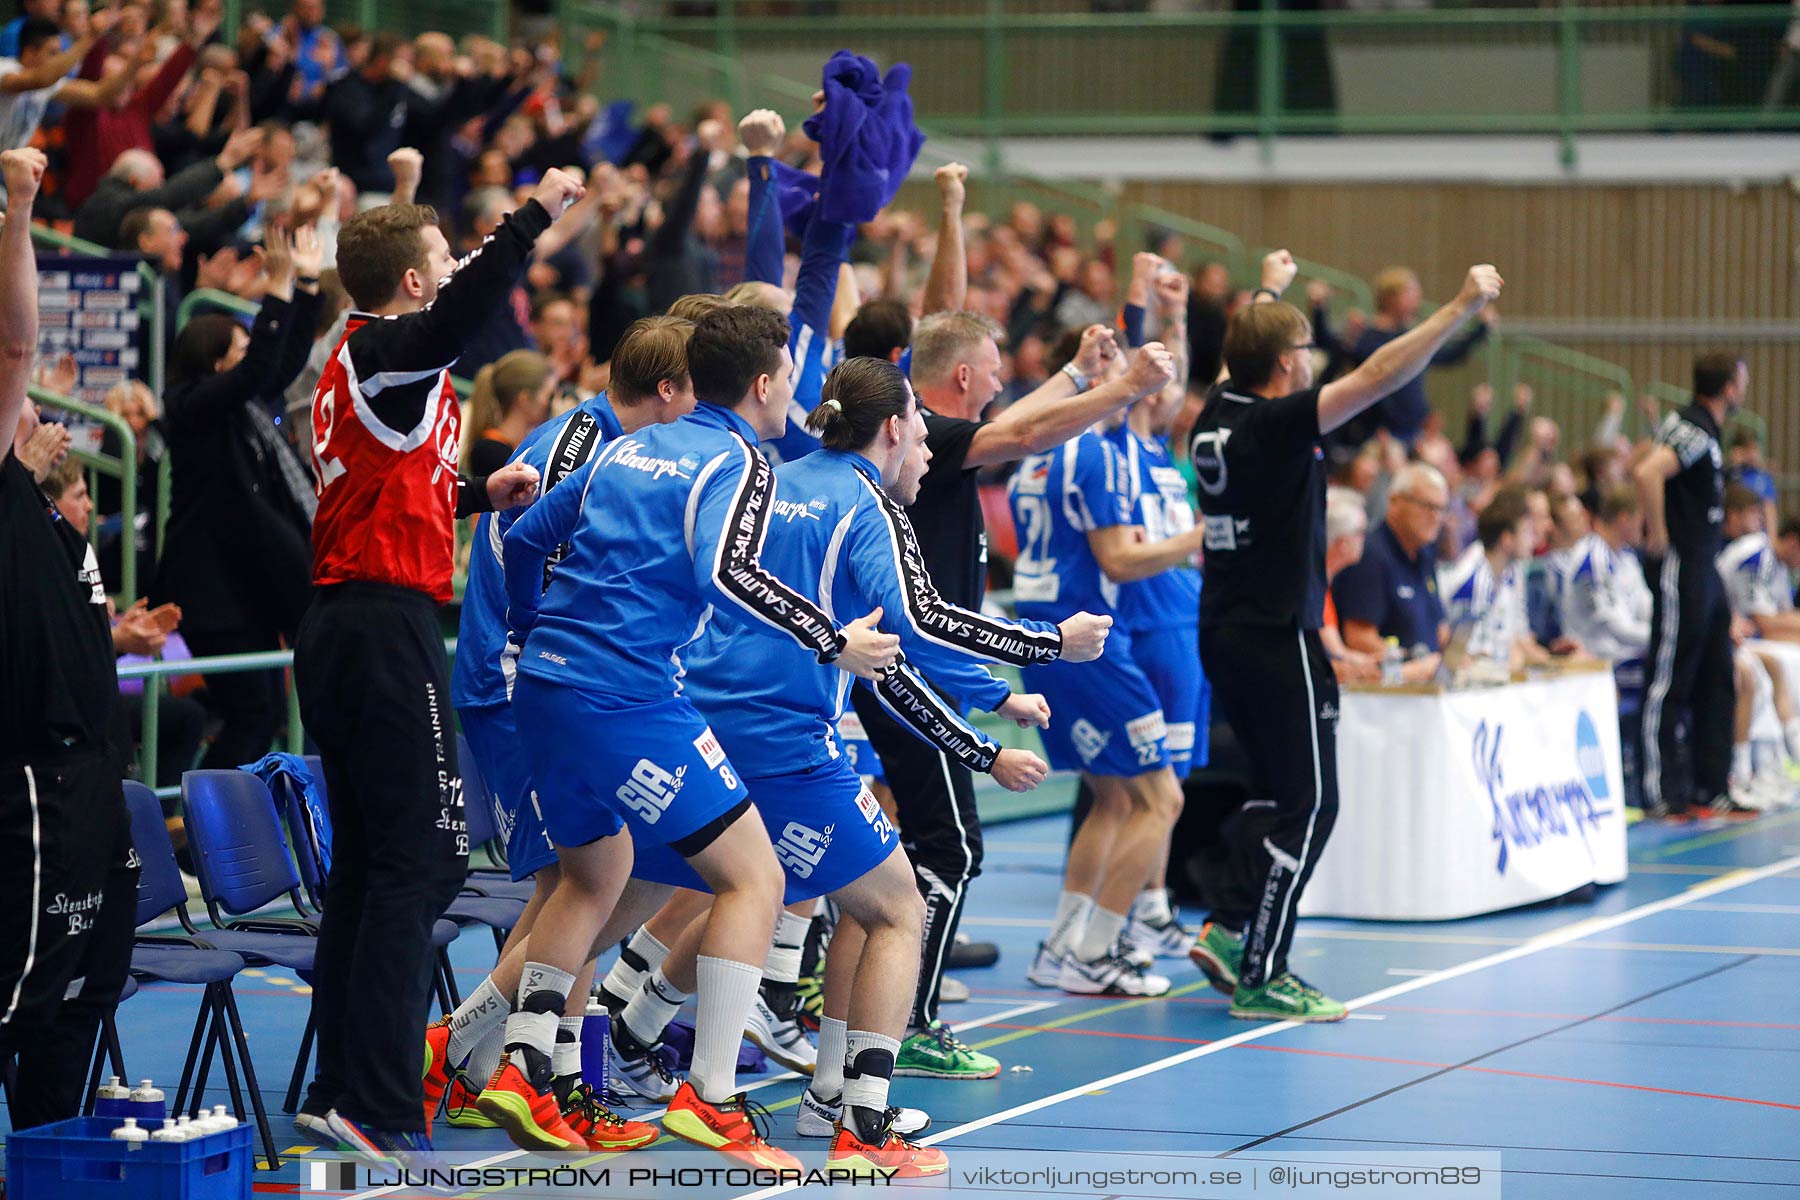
(370, 667)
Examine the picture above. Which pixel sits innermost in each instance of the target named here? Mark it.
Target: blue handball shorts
(656, 768)
(857, 749)
(1104, 715)
(826, 827)
(494, 741)
(1170, 660)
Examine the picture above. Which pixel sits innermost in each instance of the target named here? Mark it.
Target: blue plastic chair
(478, 811)
(185, 959)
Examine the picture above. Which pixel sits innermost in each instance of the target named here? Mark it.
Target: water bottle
(1392, 662)
(168, 1133)
(129, 1132)
(203, 1124)
(112, 1099)
(596, 1028)
(185, 1126)
(147, 1102)
(222, 1120)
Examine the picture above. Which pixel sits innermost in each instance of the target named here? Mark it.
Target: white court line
(1549, 941)
(1017, 1010)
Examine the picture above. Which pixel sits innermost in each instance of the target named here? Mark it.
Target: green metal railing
(1005, 68)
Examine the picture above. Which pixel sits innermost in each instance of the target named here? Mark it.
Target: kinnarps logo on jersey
(630, 454)
(799, 510)
(1545, 811)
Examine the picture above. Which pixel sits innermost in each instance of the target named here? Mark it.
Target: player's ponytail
(856, 398)
(484, 409)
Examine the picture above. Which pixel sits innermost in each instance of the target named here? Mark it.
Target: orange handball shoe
(531, 1118)
(437, 1067)
(895, 1158)
(602, 1128)
(734, 1128)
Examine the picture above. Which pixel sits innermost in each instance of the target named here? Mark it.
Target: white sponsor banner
(1465, 802)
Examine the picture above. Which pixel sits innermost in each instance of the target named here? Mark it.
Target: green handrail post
(165, 481)
(296, 733)
(233, 15)
(1568, 80)
(1268, 77)
(147, 757)
(993, 84)
(725, 41)
(366, 14)
(127, 471)
(218, 299)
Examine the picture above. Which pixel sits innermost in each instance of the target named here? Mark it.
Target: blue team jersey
(841, 542)
(1159, 496)
(556, 448)
(1057, 498)
(809, 337)
(662, 527)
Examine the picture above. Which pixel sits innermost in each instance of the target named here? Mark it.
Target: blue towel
(867, 139)
(271, 769)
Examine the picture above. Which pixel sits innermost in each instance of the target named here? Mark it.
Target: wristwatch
(1271, 293)
(1075, 376)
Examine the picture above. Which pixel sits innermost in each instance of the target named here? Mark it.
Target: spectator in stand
(36, 71)
(132, 400)
(1397, 299)
(96, 137)
(12, 33)
(318, 52)
(236, 556)
(675, 261)
(1393, 592)
(1744, 465)
(136, 181)
(367, 111)
(1209, 307)
(511, 398)
(556, 327)
(1484, 590)
(1346, 531)
(1787, 547)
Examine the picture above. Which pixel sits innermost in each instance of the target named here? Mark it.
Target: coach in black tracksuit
(955, 371)
(1681, 486)
(1261, 470)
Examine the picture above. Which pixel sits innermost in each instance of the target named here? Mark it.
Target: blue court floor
(1644, 1044)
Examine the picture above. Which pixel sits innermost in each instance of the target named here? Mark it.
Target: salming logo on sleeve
(937, 620)
(903, 693)
(739, 573)
(576, 442)
(1689, 442)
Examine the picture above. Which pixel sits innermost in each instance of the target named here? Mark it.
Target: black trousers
(1276, 688)
(1689, 684)
(71, 885)
(375, 695)
(934, 797)
(253, 704)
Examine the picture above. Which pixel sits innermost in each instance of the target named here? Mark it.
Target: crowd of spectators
(1504, 547)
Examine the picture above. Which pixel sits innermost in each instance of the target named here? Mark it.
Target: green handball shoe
(936, 1054)
(1219, 953)
(1286, 998)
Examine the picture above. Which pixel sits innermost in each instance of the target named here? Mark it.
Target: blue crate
(79, 1160)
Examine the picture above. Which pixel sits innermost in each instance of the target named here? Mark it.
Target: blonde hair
(1391, 282)
(127, 390)
(944, 341)
(498, 387)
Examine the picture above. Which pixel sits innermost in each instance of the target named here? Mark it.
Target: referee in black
(955, 370)
(1261, 470)
(67, 874)
(1691, 684)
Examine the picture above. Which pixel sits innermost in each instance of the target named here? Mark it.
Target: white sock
(626, 976)
(483, 1013)
(1742, 768)
(1072, 911)
(1152, 905)
(1790, 733)
(652, 1008)
(727, 990)
(834, 1044)
(542, 977)
(537, 1030)
(566, 1058)
(868, 1088)
(783, 963)
(485, 1058)
(1103, 929)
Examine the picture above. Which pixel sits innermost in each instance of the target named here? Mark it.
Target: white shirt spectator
(1491, 607)
(1606, 605)
(1756, 580)
(22, 112)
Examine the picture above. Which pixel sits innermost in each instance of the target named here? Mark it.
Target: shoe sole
(321, 1136)
(605, 1147)
(809, 1124)
(1217, 972)
(931, 1073)
(471, 1118)
(1116, 993)
(1253, 1014)
(1036, 981)
(513, 1114)
(774, 1050)
(691, 1128)
(860, 1167)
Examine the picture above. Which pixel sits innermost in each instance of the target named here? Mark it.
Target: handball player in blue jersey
(663, 528)
(1074, 510)
(649, 386)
